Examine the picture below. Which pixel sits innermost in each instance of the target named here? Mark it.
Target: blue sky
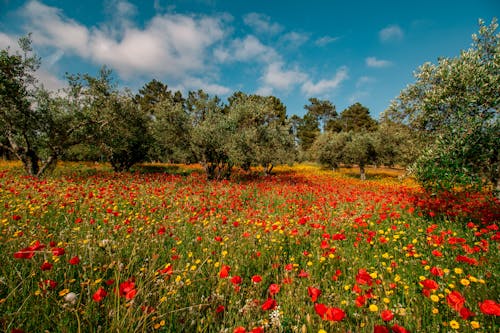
(343, 51)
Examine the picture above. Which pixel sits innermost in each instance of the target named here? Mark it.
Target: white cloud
(391, 33)
(358, 96)
(210, 88)
(275, 77)
(377, 63)
(325, 40)
(51, 28)
(324, 86)
(364, 80)
(170, 44)
(262, 24)
(246, 49)
(8, 41)
(294, 39)
(49, 80)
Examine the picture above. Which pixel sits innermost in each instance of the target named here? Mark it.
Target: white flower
(70, 297)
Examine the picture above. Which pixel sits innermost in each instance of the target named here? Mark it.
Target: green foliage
(261, 132)
(323, 110)
(332, 149)
(355, 118)
(35, 126)
(453, 107)
(113, 121)
(209, 139)
(307, 131)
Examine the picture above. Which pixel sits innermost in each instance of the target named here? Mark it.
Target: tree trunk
(30, 162)
(362, 174)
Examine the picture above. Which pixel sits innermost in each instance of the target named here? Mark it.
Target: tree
(453, 109)
(360, 150)
(170, 125)
(355, 118)
(324, 111)
(171, 130)
(332, 149)
(307, 131)
(114, 122)
(328, 149)
(395, 144)
(35, 127)
(262, 134)
(209, 141)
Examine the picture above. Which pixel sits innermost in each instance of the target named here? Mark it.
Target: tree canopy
(453, 108)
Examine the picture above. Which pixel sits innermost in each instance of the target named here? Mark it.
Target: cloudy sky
(344, 51)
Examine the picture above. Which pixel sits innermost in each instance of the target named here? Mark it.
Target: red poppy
(256, 278)
(360, 301)
(270, 304)
(57, 251)
(314, 293)
(236, 279)
(29, 252)
(74, 261)
(46, 266)
(99, 294)
(399, 329)
(465, 313)
(274, 289)
(437, 253)
(455, 300)
(48, 284)
(167, 270)
(224, 272)
(436, 271)
(220, 309)
(257, 330)
(239, 329)
(380, 329)
(320, 309)
(127, 289)
(334, 314)
(303, 274)
(363, 277)
(387, 315)
(490, 307)
(430, 284)
(470, 261)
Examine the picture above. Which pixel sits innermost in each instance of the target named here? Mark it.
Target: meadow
(162, 249)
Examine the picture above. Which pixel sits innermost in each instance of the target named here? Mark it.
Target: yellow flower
(465, 282)
(63, 292)
(474, 324)
(322, 331)
(373, 308)
(454, 324)
(434, 298)
(386, 300)
(458, 271)
(435, 311)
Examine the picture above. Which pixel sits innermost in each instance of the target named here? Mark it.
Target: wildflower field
(162, 249)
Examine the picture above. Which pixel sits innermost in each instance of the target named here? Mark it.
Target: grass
(163, 249)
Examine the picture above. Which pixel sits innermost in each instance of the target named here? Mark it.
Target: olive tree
(36, 127)
(453, 109)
